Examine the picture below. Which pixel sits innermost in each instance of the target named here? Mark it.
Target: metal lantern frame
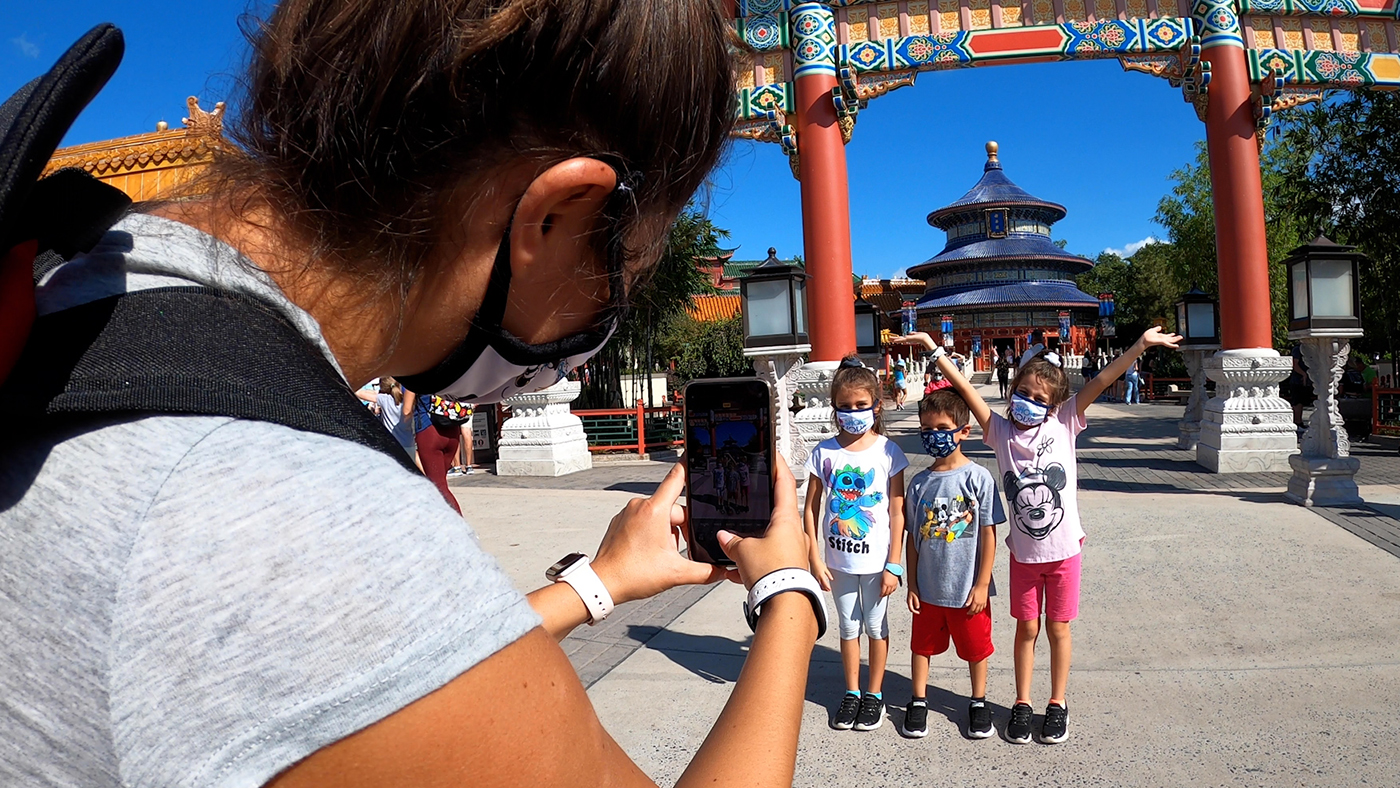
(795, 280)
(870, 314)
(1195, 297)
(1300, 265)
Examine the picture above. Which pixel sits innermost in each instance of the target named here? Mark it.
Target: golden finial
(991, 151)
(162, 125)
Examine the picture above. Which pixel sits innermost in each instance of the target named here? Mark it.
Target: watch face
(563, 565)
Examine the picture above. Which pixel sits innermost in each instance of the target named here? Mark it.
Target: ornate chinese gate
(809, 67)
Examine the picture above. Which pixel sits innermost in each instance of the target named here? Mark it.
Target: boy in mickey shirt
(952, 510)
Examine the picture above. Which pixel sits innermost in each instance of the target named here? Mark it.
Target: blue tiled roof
(1042, 293)
(993, 190)
(1014, 247)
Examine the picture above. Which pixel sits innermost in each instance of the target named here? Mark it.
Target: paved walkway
(1227, 637)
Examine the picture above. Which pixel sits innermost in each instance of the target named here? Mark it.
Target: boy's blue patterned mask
(939, 443)
(1028, 411)
(856, 422)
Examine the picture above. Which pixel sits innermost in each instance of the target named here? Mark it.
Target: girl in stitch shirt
(855, 528)
(1034, 445)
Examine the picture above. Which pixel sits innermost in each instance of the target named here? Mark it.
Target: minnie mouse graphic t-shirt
(1040, 480)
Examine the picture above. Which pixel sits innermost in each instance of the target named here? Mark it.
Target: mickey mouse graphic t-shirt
(944, 512)
(1039, 479)
(854, 519)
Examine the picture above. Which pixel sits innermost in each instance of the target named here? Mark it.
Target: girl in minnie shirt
(1034, 445)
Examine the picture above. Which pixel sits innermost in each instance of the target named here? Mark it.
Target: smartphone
(729, 458)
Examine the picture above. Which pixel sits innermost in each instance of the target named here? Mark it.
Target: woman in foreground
(457, 193)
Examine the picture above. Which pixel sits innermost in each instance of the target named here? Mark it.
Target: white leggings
(858, 602)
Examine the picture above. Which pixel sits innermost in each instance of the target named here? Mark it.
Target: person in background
(1132, 384)
(467, 466)
(389, 401)
(901, 384)
(1003, 372)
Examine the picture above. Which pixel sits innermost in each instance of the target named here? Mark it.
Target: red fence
(638, 429)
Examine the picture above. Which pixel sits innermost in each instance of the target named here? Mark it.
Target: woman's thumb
(726, 541)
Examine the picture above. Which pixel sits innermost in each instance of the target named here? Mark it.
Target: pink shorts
(1052, 587)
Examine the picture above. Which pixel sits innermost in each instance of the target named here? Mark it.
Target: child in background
(854, 518)
(952, 509)
(1034, 445)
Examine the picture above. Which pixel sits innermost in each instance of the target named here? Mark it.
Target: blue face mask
(939, 443)
(856, 422)
(1028, 411)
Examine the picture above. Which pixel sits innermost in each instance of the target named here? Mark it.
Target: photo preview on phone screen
(728, 455)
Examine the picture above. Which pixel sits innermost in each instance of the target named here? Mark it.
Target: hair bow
(1036, 350)
(942, 384)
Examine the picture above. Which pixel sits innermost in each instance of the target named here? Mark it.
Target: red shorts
(1052, 587)
(971, 635)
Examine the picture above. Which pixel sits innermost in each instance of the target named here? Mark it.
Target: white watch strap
(939, 352)
(590, 589)
(783, 580)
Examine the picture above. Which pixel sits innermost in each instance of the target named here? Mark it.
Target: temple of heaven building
(1000, 278)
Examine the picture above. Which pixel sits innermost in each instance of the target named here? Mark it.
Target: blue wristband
(894, 569)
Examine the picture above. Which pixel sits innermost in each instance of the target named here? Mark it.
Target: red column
(1238, 194)
(826, 220)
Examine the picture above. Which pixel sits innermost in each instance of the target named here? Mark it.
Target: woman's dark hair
(1051, 375)
(366, 121)
(852, 374)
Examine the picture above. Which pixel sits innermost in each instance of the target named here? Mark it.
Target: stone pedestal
(780, 369)
(1324, 474)
(1246, 427)
(542, 437)
(1189, 428)
(816, 421)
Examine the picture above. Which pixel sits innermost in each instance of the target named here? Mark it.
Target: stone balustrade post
(1324, 473)
(543, 437)
(1189, 428)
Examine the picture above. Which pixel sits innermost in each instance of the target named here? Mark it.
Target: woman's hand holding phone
(640, 556)
(783, 546)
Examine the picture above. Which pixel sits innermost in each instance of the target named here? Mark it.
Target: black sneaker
(872, 713)
(846, 715)
(1018, 731)
(979, 720)
(1055, 728)
(916, 719)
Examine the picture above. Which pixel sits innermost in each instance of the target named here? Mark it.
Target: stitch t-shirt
(854, 519)
(944, 512)
(1040, 481)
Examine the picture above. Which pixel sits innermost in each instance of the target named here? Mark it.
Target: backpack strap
(186, 350)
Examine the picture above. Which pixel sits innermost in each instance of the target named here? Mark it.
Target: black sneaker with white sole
(1018, 731)
(1055, 728)
(845, 717)
(915, 719)
(872, 713)
(979, 720)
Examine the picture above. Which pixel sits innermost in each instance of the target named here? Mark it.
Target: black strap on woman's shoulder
(187, 350)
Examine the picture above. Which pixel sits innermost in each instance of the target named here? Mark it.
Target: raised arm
(978, 406)
(1152, 337)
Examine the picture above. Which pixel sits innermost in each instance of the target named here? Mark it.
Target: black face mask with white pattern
(492, 364)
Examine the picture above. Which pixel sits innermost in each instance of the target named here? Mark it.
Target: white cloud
(1131, 249)
(26, 47)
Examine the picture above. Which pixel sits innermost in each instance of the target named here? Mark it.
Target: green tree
(1189, 217)
(658, 298)
(701, 349)
(1345, 183)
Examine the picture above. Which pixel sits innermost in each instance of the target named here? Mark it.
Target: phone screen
(729, 462)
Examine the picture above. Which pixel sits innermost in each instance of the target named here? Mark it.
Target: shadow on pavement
(718, 660)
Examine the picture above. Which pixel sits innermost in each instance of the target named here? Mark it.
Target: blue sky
(1098, 140)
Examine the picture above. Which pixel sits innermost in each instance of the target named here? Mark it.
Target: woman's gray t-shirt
(205, 601)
